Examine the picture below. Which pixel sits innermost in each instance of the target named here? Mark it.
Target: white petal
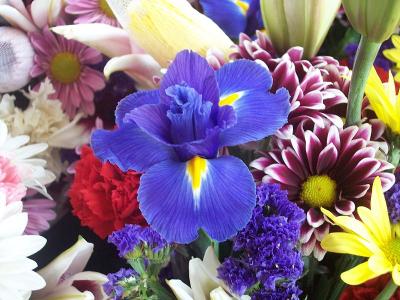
(181, 290)
(109, 40)
(18, 246)
(16, 19)
(219, 294)
(14, 225)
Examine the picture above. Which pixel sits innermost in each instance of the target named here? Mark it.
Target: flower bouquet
(199, 149)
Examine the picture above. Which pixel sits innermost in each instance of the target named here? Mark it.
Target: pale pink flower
(10, 182)
(40, 213)
(91, 11)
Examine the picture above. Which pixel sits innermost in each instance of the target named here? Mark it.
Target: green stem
(365, 57)
(388, 291)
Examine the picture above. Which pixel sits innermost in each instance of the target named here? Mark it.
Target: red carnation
(103, 197)
(368, 290)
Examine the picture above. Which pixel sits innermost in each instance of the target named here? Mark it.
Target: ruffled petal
(133, 101)
(217, 195)
(191, 68)
(130, 148)
(243, 85)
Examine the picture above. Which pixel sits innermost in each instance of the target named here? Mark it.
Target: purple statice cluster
(380, 61)
(132, 236)
(117, 283)
(266, 263)
(393, 200)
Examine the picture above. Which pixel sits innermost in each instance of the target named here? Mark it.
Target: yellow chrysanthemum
(372, 237)
(394, 55)
(383, 100)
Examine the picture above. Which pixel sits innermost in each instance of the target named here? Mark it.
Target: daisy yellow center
(106, 9)
(319, 191)
(392, 251)
(65, 67)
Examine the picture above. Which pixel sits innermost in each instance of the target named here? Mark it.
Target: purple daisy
(91, 11)
(326, 167)
(67, 64)
(317, 88)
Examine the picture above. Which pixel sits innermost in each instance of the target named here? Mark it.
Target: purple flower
(234, 17)
(132, 236)
(174, 135)
(115, 286)
(393, 200)
(287, 291)
(380, 61)
(265, 253)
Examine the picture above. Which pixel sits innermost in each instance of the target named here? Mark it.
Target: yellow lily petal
(380, 264)
(358, 274)
(346, 243)
(379, 208)
(396, 274)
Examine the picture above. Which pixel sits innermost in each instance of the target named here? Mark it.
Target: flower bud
(163, 28)
(376, 20)
(302, 23)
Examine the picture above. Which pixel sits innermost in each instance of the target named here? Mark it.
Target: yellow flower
(374, 19)
(164, 27)
(302, 23)
(373, 237)
(384, 101)
(394, 55)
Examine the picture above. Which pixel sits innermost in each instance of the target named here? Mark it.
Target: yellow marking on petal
(244, 6)
(196, 169)
(106, 9)
(230, 99)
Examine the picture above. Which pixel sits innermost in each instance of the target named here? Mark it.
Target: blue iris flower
(234, 16)
(173, 135)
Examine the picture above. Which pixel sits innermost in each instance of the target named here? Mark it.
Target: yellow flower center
(392, 251)
(106, 9)
(319, 191)
(65, 67)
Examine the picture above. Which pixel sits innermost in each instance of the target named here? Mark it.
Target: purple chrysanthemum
(317, 88)
(115, 286)
(91, 11)
(40, 213)
(393, 200)
(326, 167)
(265, 253)
(132, 236)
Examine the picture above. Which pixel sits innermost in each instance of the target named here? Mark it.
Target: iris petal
(229, 15)
(243, 85)
(133, 101)
(192, 69)
(130, 148)
(179, 198)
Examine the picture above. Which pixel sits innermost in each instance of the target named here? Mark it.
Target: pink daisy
(67, 64)
(40, 212)
(326, 167)
(10, 182)
(91, 11)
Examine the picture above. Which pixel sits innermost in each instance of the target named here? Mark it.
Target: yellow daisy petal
(350, 225)
(380, 264)
(347, 243)
(392, 54)
(373, 225)
(379, 209)
(396, 274)
(396, 40)
(358, 274)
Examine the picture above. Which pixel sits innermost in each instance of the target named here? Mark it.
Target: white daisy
(45, 122)
(31, 170)
(17, 278)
